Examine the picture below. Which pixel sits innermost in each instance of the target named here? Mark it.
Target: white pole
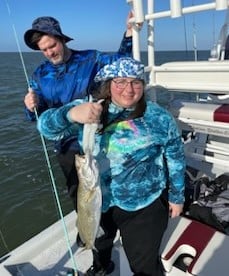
(138, 19)
(138, 11)
(221, 4)
(175, 7)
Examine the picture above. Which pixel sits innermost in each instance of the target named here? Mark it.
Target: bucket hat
(46, 25)
(125, 67)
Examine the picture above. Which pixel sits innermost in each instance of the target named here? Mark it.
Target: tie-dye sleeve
(54, 124)
(175, 161)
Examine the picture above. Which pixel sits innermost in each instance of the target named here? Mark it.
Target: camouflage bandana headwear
(125, 67)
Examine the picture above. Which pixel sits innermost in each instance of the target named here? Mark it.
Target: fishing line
(185, 35)
(43, 145)
(194, 35)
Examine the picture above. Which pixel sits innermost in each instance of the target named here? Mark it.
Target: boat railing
(209, 147)
(193, 76)
(209, 76)
(209, 126)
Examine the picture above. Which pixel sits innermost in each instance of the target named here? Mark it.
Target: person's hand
(130, 26)
(31, 100)
(175, 209)
(86, 113)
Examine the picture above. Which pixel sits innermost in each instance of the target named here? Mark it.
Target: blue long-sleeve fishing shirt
(57, 85)
(137, 158)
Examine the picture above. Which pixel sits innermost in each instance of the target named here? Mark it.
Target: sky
(100, 24)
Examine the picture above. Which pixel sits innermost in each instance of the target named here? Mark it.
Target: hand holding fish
(89, 195)
(86, 113)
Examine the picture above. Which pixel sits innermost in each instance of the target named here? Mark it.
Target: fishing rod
(44, 145)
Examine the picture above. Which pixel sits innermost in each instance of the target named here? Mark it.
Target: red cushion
(197, 235)
(221, 114)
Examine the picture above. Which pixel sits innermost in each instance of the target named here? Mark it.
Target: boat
(188, 247)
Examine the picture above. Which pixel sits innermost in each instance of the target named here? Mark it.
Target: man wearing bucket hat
(46, 25)
(46, 35)
(141, 163)
(66, 75)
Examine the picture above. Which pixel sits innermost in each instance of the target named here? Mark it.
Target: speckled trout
(89, 196)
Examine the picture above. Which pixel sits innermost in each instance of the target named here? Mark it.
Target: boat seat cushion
(204, 244)
(201, 111)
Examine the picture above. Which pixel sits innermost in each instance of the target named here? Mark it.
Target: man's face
(52, 48)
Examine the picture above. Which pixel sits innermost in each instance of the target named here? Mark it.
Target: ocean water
(27, 201)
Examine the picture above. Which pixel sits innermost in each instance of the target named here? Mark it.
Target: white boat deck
(47, 254)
